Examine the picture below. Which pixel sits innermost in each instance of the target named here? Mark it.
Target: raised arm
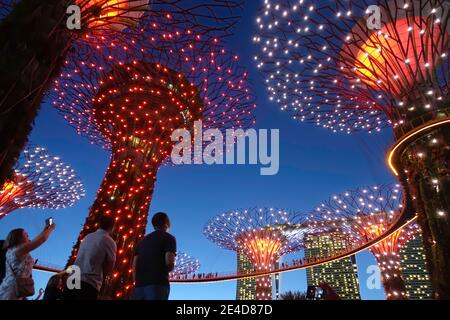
(25, 248)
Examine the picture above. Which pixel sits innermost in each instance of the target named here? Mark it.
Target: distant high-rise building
(414, 270)
(341, 275)
(246, 288)
(276, 279)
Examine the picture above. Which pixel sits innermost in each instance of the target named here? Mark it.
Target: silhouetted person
(96, 258)
(54, 289)
(154, 259)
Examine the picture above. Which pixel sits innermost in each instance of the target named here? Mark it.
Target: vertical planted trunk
(33, 41)
(425, 163)
(391, 277)
(264, 287)
(125, 194)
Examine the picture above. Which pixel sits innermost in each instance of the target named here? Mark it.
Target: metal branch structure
(40, 181)
(350, 65)
(41, 35)
(262, 234)
(130, 101)
(185, 265)
(363, 215)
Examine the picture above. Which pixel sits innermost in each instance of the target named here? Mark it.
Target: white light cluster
(40, 181)
(308, 54)
(184, 265)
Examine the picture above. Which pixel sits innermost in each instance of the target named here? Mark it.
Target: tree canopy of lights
(130, 102)
(184, 265)
(328, 62)
(41, 181)
(264, 235)
(364, 215)
(322, 63)
(40, 35)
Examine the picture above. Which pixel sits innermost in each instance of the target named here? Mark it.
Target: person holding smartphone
(18, 262)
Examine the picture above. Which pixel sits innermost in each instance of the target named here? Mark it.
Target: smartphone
(48, 222)
(315, 293)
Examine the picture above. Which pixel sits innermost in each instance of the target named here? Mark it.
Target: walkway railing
(299, 264)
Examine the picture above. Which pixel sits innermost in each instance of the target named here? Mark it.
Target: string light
(341, 73)
(40, 181)
(184, 266)
(259, 234)
(132, 106)
(363, 215)
(354, 77)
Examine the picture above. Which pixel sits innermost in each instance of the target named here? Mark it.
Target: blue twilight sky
(314, 164)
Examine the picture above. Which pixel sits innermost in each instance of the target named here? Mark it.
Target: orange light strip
(407, 137)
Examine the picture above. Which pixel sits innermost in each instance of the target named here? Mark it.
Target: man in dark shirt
(153, 260)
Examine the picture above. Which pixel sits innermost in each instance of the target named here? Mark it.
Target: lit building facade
(341, 275)
(246, 288)
(414, 270)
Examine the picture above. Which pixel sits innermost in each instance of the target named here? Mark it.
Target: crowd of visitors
(154, 259)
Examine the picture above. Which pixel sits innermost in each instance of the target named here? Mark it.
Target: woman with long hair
(19, 263)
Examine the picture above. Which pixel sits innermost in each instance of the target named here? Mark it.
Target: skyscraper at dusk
(341, 275)
(414, 270)
(245, 288)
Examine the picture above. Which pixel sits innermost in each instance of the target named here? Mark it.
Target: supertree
(130, 103)
(37, 37)
(364, 215)
(335, 64)
(184, 265)
(40, 181)
(264, 235)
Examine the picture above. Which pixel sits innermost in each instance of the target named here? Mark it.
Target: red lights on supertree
(262, 234)
(130, 103)
(40, 181)
(364, 215)
(184, 266)
(329, 63)
(113, 15)
(40, 35)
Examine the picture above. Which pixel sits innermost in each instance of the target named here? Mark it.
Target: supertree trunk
(424, 164)
(264, 287)
(391, 277)
(33, 42)
(125, 194)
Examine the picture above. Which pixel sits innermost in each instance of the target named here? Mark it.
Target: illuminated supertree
(335, 64)
(40, 181)
(184, 265)
(39, 35)
(363, 215)
(130, 103)
(262, 234)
